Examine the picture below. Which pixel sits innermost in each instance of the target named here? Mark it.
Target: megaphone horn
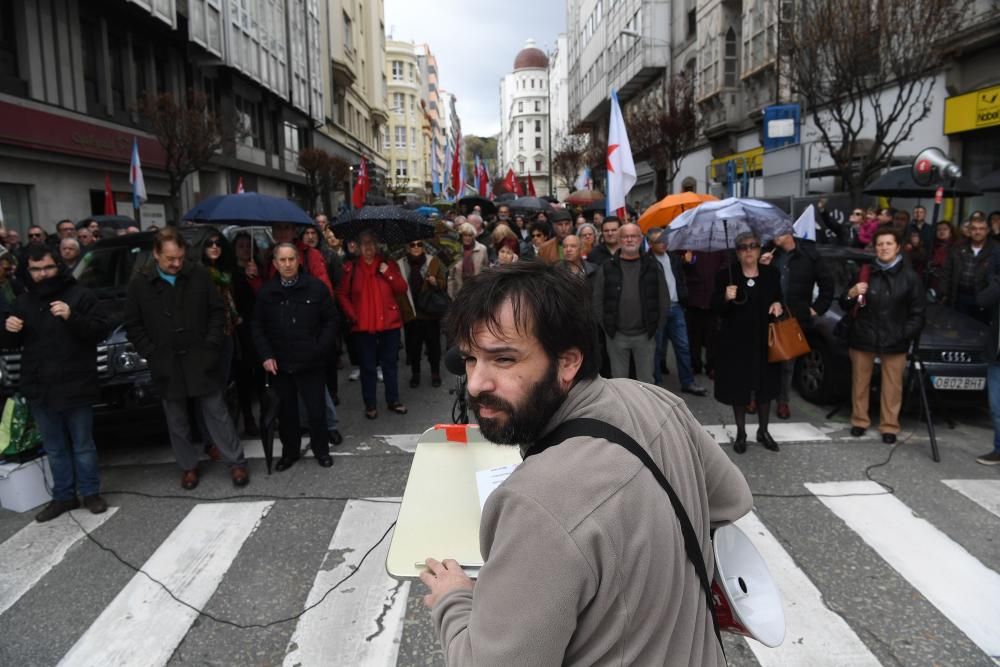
(931, 164)
(747, 601)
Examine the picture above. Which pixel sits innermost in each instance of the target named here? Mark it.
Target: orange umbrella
(664, 211)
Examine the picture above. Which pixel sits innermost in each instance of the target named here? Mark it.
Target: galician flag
(582, 180)
(435, 172)
(621, 168)
(135, 177)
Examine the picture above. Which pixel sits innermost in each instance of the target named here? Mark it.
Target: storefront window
(979, 158)
(15, 207)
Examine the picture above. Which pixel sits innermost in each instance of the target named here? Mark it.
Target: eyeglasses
(416, 244)
(213, 243)
(747, 246)
(36, 270)
(858, 213)
(34, 236)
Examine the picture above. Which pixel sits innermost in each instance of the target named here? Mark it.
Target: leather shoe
(324, 461)
(284, 463)
(239, 476)
(56, 508)
(694, 389)
(740, 445)
(783, 411)
(764, 438)
(335, 437)
(214, 453)
(189, 479)
(95, 504)
(857, 431)
(889, 438)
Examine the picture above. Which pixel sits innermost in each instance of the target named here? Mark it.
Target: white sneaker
(354, 375)
(379, 371)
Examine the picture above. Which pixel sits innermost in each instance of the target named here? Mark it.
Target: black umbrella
(468, 203)
(506, 197)
(899, 183)
(550, 199)
(269, 404)
(391, 224)
(114, 221)
(990, 182)
(530, 205)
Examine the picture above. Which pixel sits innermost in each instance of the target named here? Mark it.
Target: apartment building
(405, 150)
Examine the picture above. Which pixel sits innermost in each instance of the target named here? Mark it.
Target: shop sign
(972, 111)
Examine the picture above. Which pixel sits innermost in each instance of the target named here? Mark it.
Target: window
(413, 138)
(692, 23)
(400, 137)
(413, 105)
(532, 83)
(348, 35)
(398, 103)
(538, 165)
(538, 142)
(397, 70)
(538, 126)
(520, 166)
(730, 62)
(520, 127)
(520, 107)
(520, 142)
(413, 167)
(401, 168)
(250, 120)
(538, 106)
(412, 76)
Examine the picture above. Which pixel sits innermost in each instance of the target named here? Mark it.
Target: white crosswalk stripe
(965, 591)
(362, 622)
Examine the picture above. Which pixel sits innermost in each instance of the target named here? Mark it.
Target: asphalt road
(902, 578)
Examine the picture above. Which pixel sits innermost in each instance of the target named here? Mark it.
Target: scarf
(886, 267)
(416, 277)
(468, 268)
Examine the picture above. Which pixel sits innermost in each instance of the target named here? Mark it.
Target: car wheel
(816, 376)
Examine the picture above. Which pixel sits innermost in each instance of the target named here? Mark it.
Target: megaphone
(747, 601)
(932, 165)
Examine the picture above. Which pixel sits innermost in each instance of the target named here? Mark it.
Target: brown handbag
(785, 340)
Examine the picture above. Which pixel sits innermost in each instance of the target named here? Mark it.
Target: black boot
(740, 445)
(764, 438)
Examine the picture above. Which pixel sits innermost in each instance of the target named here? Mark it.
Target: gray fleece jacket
(584, 557)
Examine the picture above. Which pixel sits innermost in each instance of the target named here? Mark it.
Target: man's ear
(569, 365)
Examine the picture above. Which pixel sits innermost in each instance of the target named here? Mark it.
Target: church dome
(531, 57)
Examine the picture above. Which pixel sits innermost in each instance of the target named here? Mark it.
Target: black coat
(178, 329)
(741, 365)
(805, 270)
(893, 313)
(607, 293)
(953, 268)
(59, 357)
(295, 325)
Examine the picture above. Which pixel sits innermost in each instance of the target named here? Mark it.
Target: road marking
(983, 492)
(158, 455)
(404, 441)
(143, 625)
(361, 623)
(814, 634)
(30, 553)
(781, 432)
(953, 580)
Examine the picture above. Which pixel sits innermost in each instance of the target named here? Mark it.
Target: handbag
(785, 340)
(433, 302)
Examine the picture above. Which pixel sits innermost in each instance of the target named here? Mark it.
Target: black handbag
(433, 302)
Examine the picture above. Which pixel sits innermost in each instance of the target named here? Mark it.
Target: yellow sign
(753, 159)
(972, 111)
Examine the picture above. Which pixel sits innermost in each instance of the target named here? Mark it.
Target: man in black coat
(800, 268)
(967, 271)
(293, 331)
(59, 325)
(174, 316)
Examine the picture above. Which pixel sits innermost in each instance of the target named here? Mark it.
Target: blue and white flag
(135, 177)
(582, 181)
(435, 173)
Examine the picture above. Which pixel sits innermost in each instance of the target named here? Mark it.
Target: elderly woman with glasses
(473, 260)
(424, 275)
(747, 293)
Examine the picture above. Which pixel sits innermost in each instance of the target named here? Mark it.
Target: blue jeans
(378, 350)
(674, 331)
(993, 389)
(68, 438)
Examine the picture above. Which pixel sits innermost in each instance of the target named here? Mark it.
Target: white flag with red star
(621, 168)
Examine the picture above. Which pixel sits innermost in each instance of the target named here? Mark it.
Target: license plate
(960, 384)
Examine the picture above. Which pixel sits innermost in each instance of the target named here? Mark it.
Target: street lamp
(627, 32)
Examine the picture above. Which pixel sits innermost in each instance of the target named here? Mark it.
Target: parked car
(951, 348)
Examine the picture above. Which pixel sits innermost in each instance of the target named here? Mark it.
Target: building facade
(525, 141)
(435, 148)
(559, 106)
(405, 150)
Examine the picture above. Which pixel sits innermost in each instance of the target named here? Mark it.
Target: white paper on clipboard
(487, 481)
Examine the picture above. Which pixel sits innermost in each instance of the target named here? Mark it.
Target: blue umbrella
(428, 211)
(248, 208)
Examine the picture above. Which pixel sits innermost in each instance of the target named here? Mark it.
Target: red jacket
(310, 259)
(368, 298)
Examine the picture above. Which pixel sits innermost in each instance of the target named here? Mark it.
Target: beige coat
(480, 261)
(585, 561)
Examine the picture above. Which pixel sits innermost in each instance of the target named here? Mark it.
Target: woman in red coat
(367, 297)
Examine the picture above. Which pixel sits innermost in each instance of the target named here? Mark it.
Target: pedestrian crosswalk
(365, 619)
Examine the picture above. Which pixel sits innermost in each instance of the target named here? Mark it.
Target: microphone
(454, 362)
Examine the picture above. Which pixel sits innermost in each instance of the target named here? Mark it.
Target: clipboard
(440, 513)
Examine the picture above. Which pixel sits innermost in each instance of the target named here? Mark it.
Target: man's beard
(525, 422)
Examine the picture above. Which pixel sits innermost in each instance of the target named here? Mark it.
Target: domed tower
(524, 127)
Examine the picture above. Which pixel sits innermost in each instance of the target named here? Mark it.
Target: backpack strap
(594, 428)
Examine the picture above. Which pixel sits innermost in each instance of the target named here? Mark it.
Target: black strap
(593, 428)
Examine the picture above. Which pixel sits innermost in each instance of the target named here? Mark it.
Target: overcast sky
(475, 47)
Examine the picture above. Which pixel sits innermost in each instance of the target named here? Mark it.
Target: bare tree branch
(663, 131)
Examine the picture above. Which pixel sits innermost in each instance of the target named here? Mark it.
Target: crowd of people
(211, 312)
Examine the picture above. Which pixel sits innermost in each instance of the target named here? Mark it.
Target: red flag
(531, 187)
(361, 185)
(484, 179)
(510, 181)
(518, 188)
(109, 197)
(239, 186)
(456, 169)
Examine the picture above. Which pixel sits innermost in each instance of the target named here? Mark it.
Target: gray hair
(744, 237)
(71, 241)
(279, 246)
(466, 228)
(590, 226)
